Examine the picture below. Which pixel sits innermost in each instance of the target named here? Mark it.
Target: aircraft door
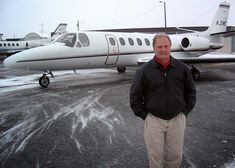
(113, 50)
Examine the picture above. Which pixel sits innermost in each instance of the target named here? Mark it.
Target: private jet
(93, 49)
(31, 40)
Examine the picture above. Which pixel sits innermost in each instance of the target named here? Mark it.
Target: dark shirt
(163, 93)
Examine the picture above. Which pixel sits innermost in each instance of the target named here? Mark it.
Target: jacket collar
(158, 65)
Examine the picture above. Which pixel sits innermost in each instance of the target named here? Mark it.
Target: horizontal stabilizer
(224, 34)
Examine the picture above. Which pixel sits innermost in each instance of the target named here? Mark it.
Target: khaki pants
(164, 141)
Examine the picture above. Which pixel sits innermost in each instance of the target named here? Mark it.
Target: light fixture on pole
(164, 3)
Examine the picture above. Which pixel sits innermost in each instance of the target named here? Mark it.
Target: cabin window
(147, 42)
(9, 44)
(131, 42)
(13, 44)
(4, 44)
(83, 39)
(0, 45)
(17, 44)
(112, 41)
(122, 41)
(139, 42)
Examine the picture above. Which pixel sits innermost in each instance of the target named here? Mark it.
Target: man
(163, 94)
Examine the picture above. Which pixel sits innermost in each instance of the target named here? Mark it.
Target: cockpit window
(82, 37)
(68, 38)
(78, 44)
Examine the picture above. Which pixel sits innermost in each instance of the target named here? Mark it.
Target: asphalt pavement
(84, 120)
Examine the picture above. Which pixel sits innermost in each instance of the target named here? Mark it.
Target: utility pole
(164, 4)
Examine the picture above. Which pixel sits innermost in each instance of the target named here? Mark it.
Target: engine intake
(195, 43)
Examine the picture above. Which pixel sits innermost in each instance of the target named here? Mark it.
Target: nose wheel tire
(44, 81)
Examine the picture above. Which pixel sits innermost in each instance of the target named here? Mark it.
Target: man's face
(162, 48)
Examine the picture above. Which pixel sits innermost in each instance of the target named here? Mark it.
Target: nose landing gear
(44, 81)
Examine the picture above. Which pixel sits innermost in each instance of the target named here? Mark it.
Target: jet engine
(194, 43)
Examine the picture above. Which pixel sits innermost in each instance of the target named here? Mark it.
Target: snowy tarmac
(84, 120)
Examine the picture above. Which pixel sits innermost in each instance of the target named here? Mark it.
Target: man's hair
(160, 35)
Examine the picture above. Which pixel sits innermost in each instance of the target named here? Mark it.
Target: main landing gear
(121, 69)
(195, 73)
(44, 81)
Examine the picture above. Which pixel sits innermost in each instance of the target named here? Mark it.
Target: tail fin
(61, 29)
(219, 23)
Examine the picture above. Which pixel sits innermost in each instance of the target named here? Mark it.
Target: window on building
(233, 43)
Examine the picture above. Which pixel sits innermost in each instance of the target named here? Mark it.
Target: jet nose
(9, 62)
(13, 62)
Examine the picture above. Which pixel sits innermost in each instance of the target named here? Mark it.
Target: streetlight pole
(164, 3)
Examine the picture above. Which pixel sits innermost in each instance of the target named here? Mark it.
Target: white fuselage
(11, 47)
(104, 50)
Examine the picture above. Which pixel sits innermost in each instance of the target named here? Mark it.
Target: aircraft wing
(225, 34)
(211, 58)
(206, 58)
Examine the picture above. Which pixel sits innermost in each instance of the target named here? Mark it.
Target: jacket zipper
(166, 86)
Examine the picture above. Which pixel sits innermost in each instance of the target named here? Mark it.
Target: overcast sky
(19, 17)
